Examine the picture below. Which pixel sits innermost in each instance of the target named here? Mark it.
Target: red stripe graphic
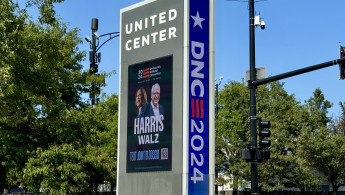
(146, 72)
(197, 109)
(202, 108)
(193, 107)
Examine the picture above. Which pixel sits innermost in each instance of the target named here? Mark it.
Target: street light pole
(217, 87)
(252, 88)
(217, 108)
(253, 155)
(93, 66)
(94, 56)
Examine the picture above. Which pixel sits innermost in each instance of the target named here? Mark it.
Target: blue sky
(298, 34)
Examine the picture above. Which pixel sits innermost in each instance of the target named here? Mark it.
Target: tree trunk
(235, 191)
(335, 189)
(94, 188)
(302, 189)
(112, 187)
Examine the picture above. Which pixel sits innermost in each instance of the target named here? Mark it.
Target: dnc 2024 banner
(149, 123)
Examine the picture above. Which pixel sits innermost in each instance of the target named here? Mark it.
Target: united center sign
(166, 120)
(152, 37)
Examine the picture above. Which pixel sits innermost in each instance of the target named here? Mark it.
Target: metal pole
(216, 171)
(252, 88)
(217, 85)
(95, 57)
(93, 98)
(94, 28)
(298, 72)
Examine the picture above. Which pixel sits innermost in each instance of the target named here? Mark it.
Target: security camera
(263, 25)
(87, 38)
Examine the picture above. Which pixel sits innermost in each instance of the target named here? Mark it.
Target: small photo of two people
(145, 108)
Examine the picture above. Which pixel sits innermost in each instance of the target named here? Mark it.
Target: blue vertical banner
(198, 161)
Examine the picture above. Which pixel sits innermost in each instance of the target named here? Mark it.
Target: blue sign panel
(198, 162)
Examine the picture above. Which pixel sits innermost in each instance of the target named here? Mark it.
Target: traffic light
(265, 154)
(342, 64)
(250, 154)
(263, 133)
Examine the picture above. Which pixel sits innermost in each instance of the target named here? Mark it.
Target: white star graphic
(197, 20)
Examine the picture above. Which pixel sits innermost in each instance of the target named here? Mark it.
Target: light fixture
(87, 38)
(95, 35)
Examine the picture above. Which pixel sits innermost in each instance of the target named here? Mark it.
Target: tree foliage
(322, 147)
(324, 152)
(287, 118)
(290, 122)
(231, 128)
(49, 137)
(86, 158)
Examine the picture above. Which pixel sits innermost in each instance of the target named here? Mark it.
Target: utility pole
(94, 56)
(217, 87)
(252, 88)
(253, 154)
(217, 109)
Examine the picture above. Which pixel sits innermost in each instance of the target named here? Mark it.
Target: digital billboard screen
(149, 124)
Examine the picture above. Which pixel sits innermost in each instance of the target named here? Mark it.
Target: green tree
(324, 152)
(45, 128)
(341, 123)
(82, 161)
(322, 147)
(318, 109)
(338, 123)
(287, 117)
(232, 128)
(40, 76)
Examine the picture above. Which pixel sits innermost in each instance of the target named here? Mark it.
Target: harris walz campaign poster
(149, 120)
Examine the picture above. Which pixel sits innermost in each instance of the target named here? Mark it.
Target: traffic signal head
(342, 64)
(265, 154)
(342, 71)
(263, 133)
